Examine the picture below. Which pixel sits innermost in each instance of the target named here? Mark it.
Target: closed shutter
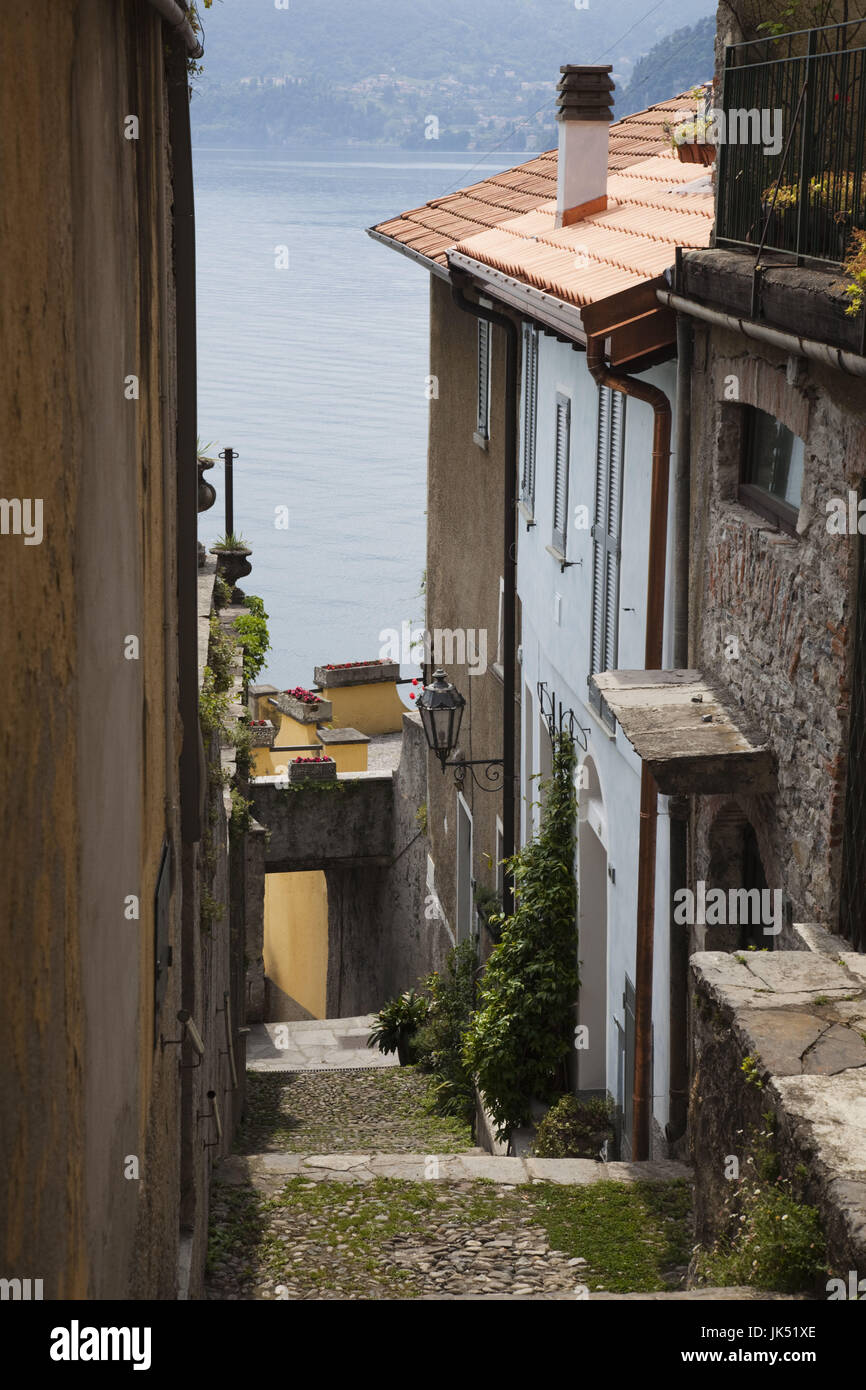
(606, 534)
(560, 472)
(482, 425)
(530, 401)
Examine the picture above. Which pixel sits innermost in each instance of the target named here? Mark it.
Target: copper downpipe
(646, 879)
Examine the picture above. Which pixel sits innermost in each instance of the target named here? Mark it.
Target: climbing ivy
(519, 1036)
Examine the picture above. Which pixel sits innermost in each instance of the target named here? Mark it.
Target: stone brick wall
(786, 600)
(799, 1018)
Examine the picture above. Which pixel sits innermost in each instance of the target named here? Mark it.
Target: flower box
(356, 673)
(312, 770)
(315, 711)
(696, 152)
(262, 733)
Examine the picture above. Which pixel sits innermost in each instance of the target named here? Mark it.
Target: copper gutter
(651, 395)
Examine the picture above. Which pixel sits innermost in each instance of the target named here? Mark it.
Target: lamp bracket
(492, 774)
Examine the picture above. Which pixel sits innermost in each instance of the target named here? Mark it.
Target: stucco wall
(556, 612)
(84, 232)
(464, 568)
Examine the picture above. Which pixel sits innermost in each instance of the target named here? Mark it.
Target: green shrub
(575, 1129)
(438, 1044)
(252, 629)
(396, 1024)
(521, 1033)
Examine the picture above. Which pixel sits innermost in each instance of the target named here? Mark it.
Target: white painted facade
(556, 618)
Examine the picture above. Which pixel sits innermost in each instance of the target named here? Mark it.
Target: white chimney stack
(584, 112)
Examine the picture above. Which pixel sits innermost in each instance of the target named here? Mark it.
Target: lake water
(315, 375)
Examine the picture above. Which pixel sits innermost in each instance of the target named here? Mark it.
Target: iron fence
(791, 176)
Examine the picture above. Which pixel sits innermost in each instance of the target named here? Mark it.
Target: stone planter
(305, 714)
(206, 490)
(262, 735)
(331, 677)
(313, 772)
(233, 565)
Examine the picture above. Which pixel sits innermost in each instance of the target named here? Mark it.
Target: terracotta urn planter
(322, 769)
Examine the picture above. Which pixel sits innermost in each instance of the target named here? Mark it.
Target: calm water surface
(315, 374)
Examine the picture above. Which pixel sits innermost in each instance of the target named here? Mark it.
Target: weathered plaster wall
(464, 567)
(787, 601)
(85, 232)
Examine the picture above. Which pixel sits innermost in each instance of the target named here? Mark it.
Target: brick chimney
(584, 113)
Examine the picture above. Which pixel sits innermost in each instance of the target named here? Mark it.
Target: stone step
(734, 1294)
(266, 1171)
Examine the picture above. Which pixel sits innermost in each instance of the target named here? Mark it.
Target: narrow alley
(343, 1186)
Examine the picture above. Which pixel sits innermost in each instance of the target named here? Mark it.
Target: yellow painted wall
(371, 708)
(349, 757)
(296, 937)
(290, 730)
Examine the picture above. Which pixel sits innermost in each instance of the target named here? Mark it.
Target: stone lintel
(680, 727)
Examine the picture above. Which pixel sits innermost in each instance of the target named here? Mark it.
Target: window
(560, 471)
(606, 534)
(771, 476)
(530, 401)
(482, 425)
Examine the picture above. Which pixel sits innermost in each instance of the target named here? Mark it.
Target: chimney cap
(584, 93)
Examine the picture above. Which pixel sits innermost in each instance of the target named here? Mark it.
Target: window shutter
(560, 477)
(530, 401)
(483, 378)
(606, 531)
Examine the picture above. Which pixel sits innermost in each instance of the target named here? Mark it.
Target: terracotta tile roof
(508, 221)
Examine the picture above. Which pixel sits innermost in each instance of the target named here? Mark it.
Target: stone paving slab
(315, 1045)
(263, 1169)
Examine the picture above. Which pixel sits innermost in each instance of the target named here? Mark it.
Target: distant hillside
(676, 63)
(377, 71)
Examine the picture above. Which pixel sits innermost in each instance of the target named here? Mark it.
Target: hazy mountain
(378, 70)
(680, 61)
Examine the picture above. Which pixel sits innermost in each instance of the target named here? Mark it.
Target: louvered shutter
(483, 379)
(560, 470)
(530, 400)
(606, 532)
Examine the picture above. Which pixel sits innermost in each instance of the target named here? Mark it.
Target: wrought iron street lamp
(441, 707)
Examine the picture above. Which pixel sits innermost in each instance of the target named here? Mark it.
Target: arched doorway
(735, 863)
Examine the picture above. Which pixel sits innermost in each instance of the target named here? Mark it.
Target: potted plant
(313, 769)
(834, 201)
(262, 733)
(689, 138)
(306, 706)
(397, 1023)
(231, 553)
(338, 673)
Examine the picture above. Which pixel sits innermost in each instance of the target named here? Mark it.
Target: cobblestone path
(342, 1186)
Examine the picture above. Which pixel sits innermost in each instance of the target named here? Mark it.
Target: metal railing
(791, 176)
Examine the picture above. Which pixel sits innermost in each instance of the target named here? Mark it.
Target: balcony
(791, 176)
